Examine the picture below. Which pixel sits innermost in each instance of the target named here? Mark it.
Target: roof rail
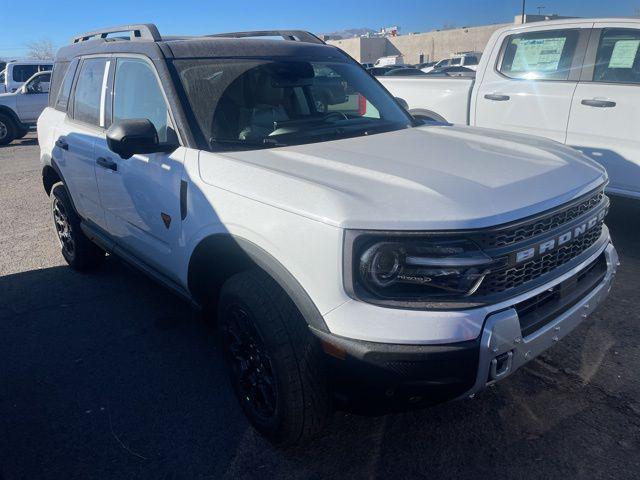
(142, 31)
(292, 35)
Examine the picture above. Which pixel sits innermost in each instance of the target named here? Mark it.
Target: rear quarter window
(59, 70)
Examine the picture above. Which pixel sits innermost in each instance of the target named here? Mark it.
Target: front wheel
(80, 253)
(7, 130)
(274, 361)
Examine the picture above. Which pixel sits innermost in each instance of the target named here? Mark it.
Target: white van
(391, 60)
(16, 73)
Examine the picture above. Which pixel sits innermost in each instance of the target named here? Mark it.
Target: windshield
(256, 103)
(2, 76)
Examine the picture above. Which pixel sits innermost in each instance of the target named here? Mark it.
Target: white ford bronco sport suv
(20, 110)
(355, 257)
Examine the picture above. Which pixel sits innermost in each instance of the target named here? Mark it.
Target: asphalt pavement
(109, 376)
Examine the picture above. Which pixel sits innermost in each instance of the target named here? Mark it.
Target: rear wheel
(7, 130)
(79, 252)
(274, 361)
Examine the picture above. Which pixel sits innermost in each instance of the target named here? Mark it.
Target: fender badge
(166, 219)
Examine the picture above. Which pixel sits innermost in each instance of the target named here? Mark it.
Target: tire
(80, 253)
(21, 133)
(8, 130)
(275, 363)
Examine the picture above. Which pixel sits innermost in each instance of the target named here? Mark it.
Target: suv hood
(424, 178)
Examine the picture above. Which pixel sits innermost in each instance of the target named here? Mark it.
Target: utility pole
(540, 8)
(524, 2)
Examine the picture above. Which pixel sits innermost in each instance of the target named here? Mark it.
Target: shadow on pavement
(109, 376)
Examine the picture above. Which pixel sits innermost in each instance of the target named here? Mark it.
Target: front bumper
(396, 376)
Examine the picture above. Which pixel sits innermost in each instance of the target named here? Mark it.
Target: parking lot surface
(108, 375)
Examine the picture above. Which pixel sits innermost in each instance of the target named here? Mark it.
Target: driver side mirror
(136, 136)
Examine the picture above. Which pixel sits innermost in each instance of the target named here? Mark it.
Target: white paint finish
(135, 196)
(545, 108)
(310, 250)
(448, 97)
(609, 136)
(77, 165)
(533, 107)
(431, 178)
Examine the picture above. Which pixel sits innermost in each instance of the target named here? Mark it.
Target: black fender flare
(208, 261)
(47, 185)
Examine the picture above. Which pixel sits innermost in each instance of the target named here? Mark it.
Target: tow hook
(501, 366)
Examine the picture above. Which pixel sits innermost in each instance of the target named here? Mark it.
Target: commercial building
(429, 46)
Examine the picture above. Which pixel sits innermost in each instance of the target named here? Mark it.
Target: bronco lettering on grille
(559, 240)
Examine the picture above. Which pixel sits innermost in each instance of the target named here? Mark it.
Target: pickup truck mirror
(135, 136)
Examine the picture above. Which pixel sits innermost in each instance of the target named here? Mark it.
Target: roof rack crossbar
(142, 31)
(292, 35)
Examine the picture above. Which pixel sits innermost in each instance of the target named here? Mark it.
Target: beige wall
(433, 45)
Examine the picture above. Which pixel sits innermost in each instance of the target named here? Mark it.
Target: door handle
(107, 163)
(598, 103)
(62, 143)
(496, 97)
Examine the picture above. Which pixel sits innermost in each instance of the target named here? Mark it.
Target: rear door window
(88, 97)
(546, 55)
(618, 57)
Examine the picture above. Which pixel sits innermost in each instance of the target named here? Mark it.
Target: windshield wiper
(262, 143)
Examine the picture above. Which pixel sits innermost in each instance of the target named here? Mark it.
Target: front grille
(512, 235)
(537, 311)
(518, 275)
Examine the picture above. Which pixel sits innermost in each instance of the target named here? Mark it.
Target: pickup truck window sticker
(538, 54)
(624, 54)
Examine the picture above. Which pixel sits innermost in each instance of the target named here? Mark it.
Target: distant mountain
(350, 33)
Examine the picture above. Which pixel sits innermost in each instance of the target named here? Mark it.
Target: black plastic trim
(381, 377)
(184, 186)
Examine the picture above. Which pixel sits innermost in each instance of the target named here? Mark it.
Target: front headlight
(413, 270)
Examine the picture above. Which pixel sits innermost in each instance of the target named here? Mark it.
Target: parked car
(574, 81)
(379, 71)
(406, 72)
(420, 66)
(367, 65)
(452, 72)
(469, 60)
(390, 60)
(20, 110)
(17, 72)
(345, 264)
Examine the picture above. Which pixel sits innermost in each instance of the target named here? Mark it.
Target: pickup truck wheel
(274, 361)
(7, 130)
(80, 253)
(21, 133)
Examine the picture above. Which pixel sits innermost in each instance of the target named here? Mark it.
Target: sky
(59, 20)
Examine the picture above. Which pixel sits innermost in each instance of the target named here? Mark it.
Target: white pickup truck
(574, 81)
